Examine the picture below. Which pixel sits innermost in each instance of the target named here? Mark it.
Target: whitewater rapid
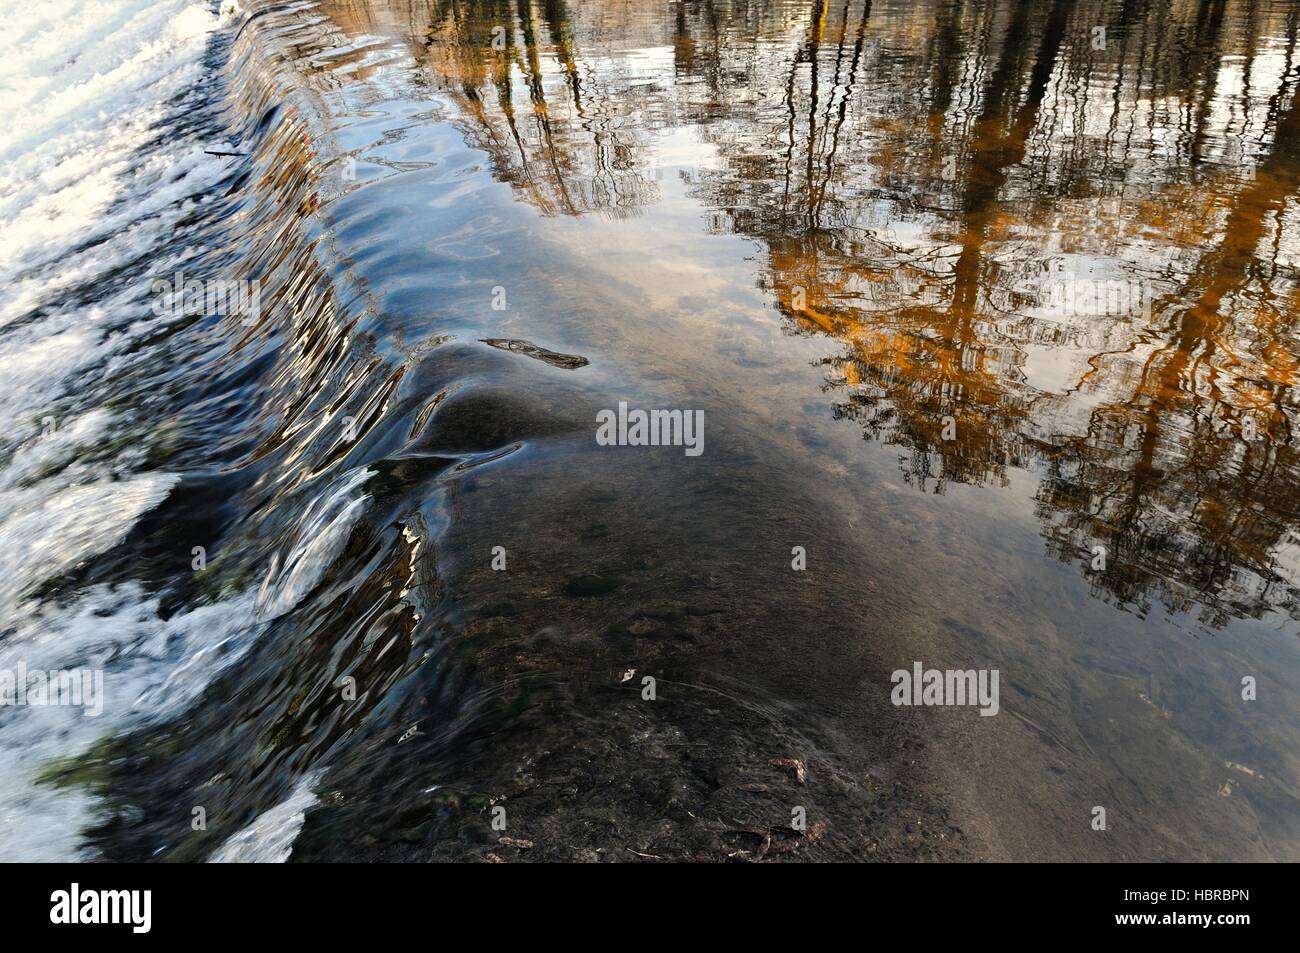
(100, 176)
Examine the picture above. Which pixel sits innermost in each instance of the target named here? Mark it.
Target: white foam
(91, 181)
(121, 633)
(44, 535)
(82, 85)
(322, 531)
(269, 839)
(153, 668)
(94, 180)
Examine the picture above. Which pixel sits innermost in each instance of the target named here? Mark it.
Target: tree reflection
(916, 223)
(923, 176)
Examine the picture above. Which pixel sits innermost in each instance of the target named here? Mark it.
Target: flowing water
(988, 309)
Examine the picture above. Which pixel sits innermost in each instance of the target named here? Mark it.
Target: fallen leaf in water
(528, 349)
(410, 733)
(776, 841)
(795, 767)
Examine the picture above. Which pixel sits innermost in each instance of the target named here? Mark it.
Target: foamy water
(93, 180)
(87, 186)
(269, 839)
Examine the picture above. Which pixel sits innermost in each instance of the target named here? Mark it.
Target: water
(989, 314)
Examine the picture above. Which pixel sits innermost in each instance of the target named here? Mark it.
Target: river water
(987, 310)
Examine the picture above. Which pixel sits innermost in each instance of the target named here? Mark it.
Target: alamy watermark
(73, 688)
(179, 296)
(932, 686)
(651, 428)
(76, 906)
(1086, 297)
